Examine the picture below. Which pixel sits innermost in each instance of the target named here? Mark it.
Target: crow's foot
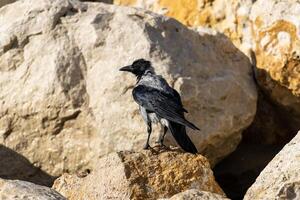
(147, 146)
(160, 143)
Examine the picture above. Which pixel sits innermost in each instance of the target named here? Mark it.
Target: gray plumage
(160, 103)
(150, 79)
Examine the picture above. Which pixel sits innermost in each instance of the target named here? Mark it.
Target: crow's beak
(126, 68)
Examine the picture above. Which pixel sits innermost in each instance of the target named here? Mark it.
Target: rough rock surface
(280, 179)
(64, 103)
(277, 48)
(194, 194)
(5, 2)
(22, 190)
(227, 16)
(140, 175)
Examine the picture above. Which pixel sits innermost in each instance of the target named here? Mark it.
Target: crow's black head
(138, 67)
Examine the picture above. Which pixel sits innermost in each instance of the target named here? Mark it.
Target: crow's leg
(149, 130)
(162, 137)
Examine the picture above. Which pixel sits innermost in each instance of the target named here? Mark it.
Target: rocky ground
(68, 121)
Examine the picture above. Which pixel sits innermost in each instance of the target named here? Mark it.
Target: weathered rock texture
(21, 190)
(140, 175)
(228, 16)
(280, 179)
(64, 103)
(194, 194)
(277, 48)
(5, 2)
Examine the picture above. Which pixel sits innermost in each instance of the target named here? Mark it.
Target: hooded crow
(160, 103)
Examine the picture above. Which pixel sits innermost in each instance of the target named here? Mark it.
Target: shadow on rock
(273, 124)
(16, 166)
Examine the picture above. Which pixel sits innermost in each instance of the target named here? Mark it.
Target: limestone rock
(227, 16)
(277, 48)
(64, 103)
(140, 175)
(21, 190)
(194, 194)
(280, 179)
(5, 2)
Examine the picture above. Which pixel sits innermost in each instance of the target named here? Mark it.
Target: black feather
(165, 105)
(179, 133)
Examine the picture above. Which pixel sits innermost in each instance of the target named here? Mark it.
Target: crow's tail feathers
(179, 133)
(191, 125)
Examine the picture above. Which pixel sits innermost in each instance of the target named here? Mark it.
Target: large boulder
(140, 175)
(64, 103)
(22, 190)
(276, 37)
(280, 179)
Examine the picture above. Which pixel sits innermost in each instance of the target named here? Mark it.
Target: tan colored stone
(276, 37)
(280, 179)
(140, 175)
(194, 194)
(227, 16)
(22, 190)
(64, 103)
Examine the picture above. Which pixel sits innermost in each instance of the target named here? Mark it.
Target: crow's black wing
(177, 96)
(163, 104)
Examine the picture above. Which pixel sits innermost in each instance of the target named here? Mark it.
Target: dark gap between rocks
(265, 137)
(239, 170)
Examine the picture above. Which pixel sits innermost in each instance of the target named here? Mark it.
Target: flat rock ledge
(141, 175)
